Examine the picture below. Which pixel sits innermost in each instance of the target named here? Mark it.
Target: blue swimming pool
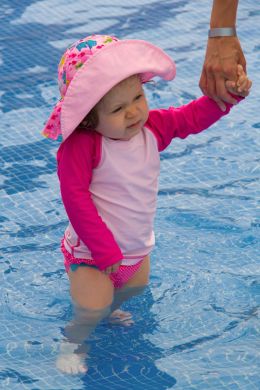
(197, 325)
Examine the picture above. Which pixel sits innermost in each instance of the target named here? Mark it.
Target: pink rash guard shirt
(109, 187)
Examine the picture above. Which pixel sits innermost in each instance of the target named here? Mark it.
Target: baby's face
(123, 110)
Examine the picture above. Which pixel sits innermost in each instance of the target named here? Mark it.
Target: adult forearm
(224, 13)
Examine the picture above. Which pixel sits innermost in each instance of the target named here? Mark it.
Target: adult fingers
(203, 82)
(221, 90)
(207, 86)
(241, 58)
(212, 92)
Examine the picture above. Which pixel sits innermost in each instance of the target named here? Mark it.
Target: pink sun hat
(91, 67)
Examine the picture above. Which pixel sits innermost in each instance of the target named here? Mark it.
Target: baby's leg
(92, 293)
(135, 286)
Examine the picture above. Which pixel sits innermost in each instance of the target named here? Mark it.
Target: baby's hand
(242, 86)
(113, 268)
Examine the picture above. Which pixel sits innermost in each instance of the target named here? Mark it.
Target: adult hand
(223, 54)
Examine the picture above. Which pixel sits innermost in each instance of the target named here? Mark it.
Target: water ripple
(188, 150)
(204, 193)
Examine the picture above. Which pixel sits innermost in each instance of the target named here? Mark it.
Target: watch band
(222, 32)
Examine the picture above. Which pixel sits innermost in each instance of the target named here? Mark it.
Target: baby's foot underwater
(70, 362)
(120, 317)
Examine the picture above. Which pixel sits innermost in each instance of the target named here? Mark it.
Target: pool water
(197, 325)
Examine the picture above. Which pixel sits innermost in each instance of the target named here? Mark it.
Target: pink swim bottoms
(119, 278)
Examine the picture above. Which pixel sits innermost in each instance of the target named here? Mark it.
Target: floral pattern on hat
(72, 60)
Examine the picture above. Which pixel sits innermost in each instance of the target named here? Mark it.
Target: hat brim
(107, 68)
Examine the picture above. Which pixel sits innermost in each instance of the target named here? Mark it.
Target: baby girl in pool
(108, 167)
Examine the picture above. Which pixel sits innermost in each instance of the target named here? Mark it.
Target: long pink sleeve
(179, 122)
(75, 164)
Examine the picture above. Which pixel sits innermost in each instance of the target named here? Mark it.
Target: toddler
(108, 167)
